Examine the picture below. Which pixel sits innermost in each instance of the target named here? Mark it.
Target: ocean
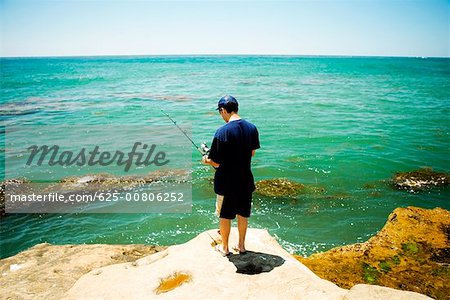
(344, 125)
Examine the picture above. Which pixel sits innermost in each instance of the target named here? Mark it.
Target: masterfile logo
(53, 156)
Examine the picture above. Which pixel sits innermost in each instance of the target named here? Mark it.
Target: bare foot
(221, 250)
(239, 249)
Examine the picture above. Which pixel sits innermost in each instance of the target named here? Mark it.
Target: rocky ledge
(193, 270)
(411, 252)
(47, 271)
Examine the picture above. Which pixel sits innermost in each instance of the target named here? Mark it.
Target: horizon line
(203, 55)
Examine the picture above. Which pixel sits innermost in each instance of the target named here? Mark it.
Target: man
(231, 152)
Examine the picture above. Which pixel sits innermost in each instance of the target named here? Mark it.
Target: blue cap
(225, 100)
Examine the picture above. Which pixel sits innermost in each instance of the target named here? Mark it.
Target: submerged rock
(419, 180)
(411, 252)
(80, 185)
(279, 187)
(108, 181)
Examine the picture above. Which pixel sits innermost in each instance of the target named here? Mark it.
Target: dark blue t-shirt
(232, 148)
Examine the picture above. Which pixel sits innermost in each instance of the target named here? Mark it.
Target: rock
(212, 276)
(86, 184)
(420, 180)
(170, 97)
(411, 252)
(104, 181)
(8, 184)
(86, 179)
(193, 270)
(2, 202)
(47, 271)
(364, 291)
(279, 187)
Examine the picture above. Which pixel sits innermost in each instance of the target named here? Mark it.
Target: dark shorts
(236, 205)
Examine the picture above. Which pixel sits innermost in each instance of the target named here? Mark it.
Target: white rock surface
(365, 291)
(215, 277)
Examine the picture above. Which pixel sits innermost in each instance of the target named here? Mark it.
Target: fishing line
(200, 149)
(203, 149)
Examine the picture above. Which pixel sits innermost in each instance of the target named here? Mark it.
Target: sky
(282, 27)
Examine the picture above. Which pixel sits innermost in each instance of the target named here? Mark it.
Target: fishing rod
(203, 149)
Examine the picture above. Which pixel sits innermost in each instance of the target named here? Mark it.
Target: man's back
(232, 148)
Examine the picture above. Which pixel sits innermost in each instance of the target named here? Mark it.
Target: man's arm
(208, 161)
(255, 141)
(214, 154)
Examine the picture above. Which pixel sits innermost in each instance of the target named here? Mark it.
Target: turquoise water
(343, 124)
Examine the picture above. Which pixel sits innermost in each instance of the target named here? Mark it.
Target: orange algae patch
(172, 282)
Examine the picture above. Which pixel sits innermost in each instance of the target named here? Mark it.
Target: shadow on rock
(252, 263)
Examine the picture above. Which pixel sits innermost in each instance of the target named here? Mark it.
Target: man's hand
(207, 161)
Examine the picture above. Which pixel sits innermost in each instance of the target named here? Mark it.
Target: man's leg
(242, 228)
(225, 226)
(219, 201)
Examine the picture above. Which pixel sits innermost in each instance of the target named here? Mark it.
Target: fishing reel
(204, 149)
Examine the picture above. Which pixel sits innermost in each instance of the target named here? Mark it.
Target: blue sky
(147, 27)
